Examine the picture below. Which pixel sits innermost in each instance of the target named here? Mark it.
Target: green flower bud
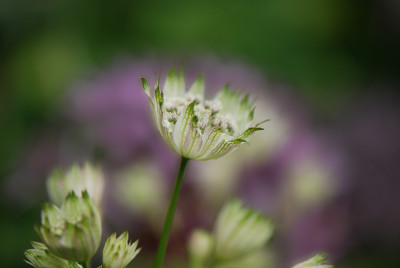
(77, 179)
(74, 231)
(119, 252)
(200, 247)
(41, 257)
(318, 261)
(239, 231)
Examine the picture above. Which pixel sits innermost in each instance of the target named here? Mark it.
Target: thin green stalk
(162, 246)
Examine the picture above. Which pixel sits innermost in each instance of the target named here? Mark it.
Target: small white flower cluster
(71, 229)
(197, 128)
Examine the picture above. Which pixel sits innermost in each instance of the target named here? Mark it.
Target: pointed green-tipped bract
(239, 231)
(119, 252)
(41, 257)
(196, 128)
(318, 261)
(77, 179)
(72, 232)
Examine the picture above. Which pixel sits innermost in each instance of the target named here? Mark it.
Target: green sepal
(145, 85)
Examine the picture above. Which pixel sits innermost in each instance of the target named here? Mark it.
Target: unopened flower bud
(72, 232)
(200, 247)
(119, 252)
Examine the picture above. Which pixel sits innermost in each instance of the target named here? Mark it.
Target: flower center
(206, 114)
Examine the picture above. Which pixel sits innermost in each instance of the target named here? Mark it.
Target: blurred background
(325, 72)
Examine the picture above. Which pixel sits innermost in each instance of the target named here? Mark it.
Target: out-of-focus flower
(200, 247)
(72, 232)
(318, 261)
(238, 239)
(141, 188)
(118, 252)
(41, 257)
(76, 179)
(196, 128)
(310, 183)
(240, 231)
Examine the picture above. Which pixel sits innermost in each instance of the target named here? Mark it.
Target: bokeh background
(325, 72)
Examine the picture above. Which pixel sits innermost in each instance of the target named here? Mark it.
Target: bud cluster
(71, 229)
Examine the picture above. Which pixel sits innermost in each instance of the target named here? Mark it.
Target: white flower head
(118, 252)
(196, 128)
(76, 179)
(318, 261)
(240, 231)
(72, 232)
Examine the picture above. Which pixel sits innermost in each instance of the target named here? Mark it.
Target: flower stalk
(162, 246)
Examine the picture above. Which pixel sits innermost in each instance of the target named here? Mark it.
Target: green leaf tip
(145, 85)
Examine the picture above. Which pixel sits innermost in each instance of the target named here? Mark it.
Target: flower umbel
(197, 128)
(118, 252)
(72, 232)
(41, 257)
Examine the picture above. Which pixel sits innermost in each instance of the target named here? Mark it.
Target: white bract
(76, 179)
(118, 252)
(239, 232)
(197, 128)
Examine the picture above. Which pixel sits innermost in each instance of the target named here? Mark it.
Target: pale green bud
(77, 179)
(200, 247)
(240, 231)
(318, 261)
(201, 129)
(119, 252)
(41, 257)
(72, 232)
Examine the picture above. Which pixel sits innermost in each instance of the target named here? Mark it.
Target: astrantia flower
(197, 128)
(72, 232)
(119, 252)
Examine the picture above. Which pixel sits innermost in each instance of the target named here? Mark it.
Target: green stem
(85, 264)
(162, 246)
